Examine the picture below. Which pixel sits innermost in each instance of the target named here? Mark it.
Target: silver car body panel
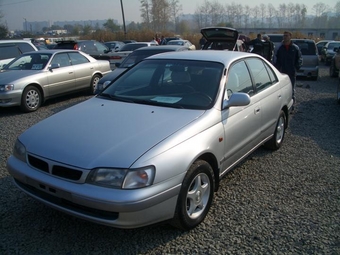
(126, 135)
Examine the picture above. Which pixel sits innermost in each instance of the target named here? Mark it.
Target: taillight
(115, 57)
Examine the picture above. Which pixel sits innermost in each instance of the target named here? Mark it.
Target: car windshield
(168, 83)
(35, 61)
(176, 42)
(138, 56)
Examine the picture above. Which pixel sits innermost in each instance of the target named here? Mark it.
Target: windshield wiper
(115, 98)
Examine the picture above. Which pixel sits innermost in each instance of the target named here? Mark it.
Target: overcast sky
(16, 11)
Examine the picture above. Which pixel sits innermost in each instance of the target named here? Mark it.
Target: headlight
(19, 151)
(7, 87)
(122, 178)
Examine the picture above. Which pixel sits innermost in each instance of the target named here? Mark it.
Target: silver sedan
(30, 79)
(166, 131)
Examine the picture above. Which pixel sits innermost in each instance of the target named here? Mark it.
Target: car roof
(224, 57)
(51, 51)
(303, 40)
(162, 47)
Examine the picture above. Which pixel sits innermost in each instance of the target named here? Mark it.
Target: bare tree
(175, 8)
(255, 13)
(145, 10)
(271, 14)
(320, 19)
(263, 12)
(247, 12)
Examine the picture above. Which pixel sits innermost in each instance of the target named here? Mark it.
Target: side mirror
(236, 99)
(53, 66)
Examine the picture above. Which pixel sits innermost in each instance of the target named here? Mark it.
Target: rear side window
(9, 51)
(25, 47)
(306, 48)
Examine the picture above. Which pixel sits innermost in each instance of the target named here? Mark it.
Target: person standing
(202, 42)
(289, 59)
(268, 48)
(257, 44)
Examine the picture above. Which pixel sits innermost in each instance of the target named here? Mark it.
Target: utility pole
(25, 23)
(121, 4)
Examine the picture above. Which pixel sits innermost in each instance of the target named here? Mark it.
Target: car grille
(55, 169)
(106, 215)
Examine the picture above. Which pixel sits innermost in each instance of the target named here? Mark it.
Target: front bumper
(10, 98)
(112, 207)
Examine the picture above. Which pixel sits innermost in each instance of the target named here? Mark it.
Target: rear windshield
(132, 46)
(276, 38)
(306, 48)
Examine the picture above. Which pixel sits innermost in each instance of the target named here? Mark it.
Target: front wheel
(195, 197)
(94, 82)
(276, 141)
(31, 99)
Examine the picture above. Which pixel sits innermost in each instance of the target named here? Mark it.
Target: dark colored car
(114, 45)
(310, 56)
(220, 38)
(133, 58)
(328, 52)
(94, 48)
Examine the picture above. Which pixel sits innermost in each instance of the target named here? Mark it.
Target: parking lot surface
(282, 202)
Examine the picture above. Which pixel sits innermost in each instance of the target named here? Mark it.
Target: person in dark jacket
(268, 48)
(288, 58)
(257, 44)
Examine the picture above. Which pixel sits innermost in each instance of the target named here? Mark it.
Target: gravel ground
(282, 202)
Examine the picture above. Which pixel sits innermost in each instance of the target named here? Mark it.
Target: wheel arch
(211, 159)
(38, 86)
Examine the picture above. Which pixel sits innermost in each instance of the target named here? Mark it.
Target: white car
(185, 43)
(154, 144)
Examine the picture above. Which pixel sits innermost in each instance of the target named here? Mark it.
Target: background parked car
(185, 43)
(33, 77)
(10, 49)
(119, 56)
(94, 48)
(222, 38)
(310, 65)
(133, 58)
(328, 52)
(321, 44)
(114, 45)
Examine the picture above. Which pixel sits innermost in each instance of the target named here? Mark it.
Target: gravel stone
(282, 202)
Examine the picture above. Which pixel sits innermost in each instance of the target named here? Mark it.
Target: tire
(94, 82)
(195, 197)
(332, 70)
(31, 99)
(276, 141)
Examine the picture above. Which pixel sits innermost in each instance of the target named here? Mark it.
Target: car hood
(7, 76)
(100, 132)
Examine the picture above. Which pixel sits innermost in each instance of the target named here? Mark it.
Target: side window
(259, 74)
(100, 47)
(9, 52)
(25, 47)
(239, 79)
(77, 58)
(62, 59)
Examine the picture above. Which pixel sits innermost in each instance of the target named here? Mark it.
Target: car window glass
(259, 74)
(24, 62)
(9, 52)
(306, 48)
(25, 47)
(239, 79)
(77, 58)
(271, 74)
(62, 59)
(100, 47)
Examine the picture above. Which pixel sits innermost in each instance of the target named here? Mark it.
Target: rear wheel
(276, 141)
(195, 197)
(94, 82)
(31, 99)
